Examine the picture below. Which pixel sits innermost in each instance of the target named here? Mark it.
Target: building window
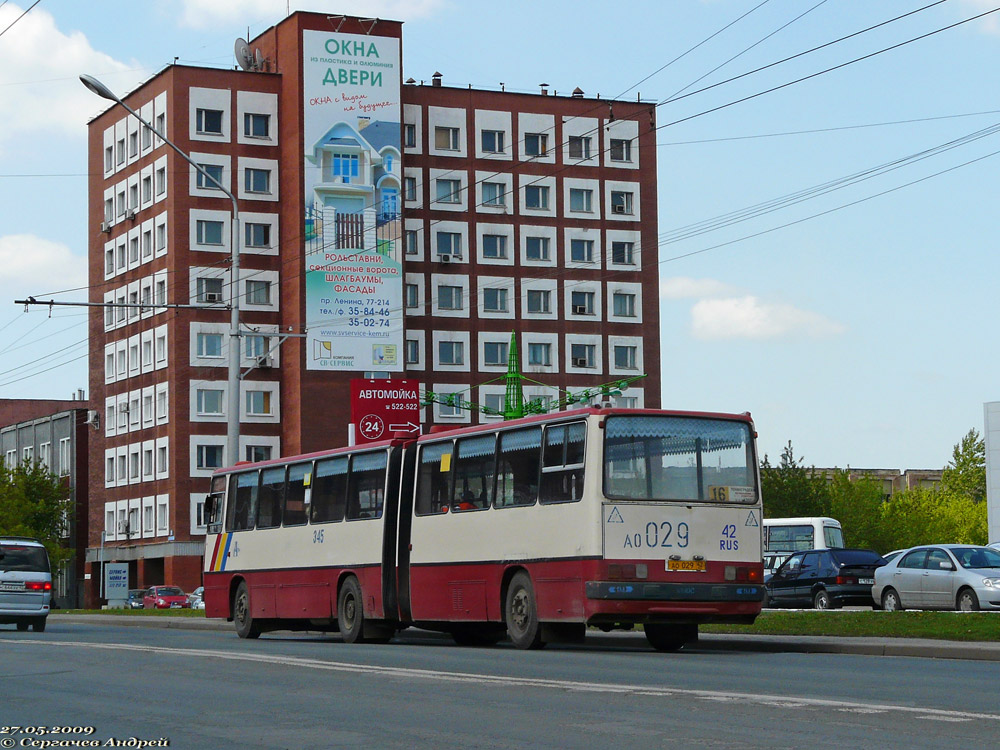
(536, 196)
(623, 253)
(410, 241)
(161, 237)
(582, 302)
(581, 251)
(65, 457)
(582, 354)
(147, 245)
(538, 301)
(209, 232)
(257, 235)
(494, 246)
(412, 352)
(626, 357)
(109, 262)
(449, 243)
(493, 194)
(256, 125)
(448, 191)
(209, 176)
(161, 180)
(210, 456)
(147, 189)
(621, 149)
(209, 344)
(109, 159)
(446, 139)
(450, 297)
(536, 248)
(409, 188)
(208, 121)
(412, 295)
(120, 150)
(536, 144)
(451, 352)
(494, 353)
(147, 137)
(161, 461)
(623, 304)
(209, 401)
(540, 354)
(621, 202)
(447, 410)
(579, 147)
(494, 300)
(492, 141)
(257, 180)
(256, 453)
(133, 144)
(258, 403)
(161, 292)
(581, 200)
(161, 405)
(255, 347)
(409, 135)
(258, 292)
(345, 165)
(209, 290)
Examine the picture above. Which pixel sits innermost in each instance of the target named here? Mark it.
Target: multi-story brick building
(490, 212)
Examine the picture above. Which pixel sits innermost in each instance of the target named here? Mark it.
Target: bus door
(406, 490)
(390, 515)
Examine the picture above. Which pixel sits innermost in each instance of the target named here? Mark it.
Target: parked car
(25, 583)
(772, 561)
(824, 578)
(940, 576)
(134, 600)
(994, 545)
(165, 597)
(197, 598)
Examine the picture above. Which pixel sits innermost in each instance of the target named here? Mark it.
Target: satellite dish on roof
(258, 60)
(244, 56)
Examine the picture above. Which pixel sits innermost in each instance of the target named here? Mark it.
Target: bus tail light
(742, 573)
(38, 586)
(627, 571)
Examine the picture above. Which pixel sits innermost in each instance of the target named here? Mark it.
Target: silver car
(25, 583)
(940, 576)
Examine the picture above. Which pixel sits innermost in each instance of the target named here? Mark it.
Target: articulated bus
(534, 528)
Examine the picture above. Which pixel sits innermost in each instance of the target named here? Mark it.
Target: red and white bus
(535, 528)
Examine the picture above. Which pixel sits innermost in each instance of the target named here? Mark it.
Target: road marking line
(569, 685)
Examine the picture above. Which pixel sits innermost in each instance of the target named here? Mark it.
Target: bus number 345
(318, 536)
(659, 535)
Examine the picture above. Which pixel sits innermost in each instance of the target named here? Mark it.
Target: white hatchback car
(25, 583)
(940, 576)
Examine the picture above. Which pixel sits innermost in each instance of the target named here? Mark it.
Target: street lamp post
(233, 380)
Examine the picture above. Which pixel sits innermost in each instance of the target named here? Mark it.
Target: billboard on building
(353, 175)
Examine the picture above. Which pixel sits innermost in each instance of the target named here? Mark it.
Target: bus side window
(272, 488)
(242, 506)
(366, 486)
(474, 468)
(519, 461)
(329, 493)
(562, 468)
(294, 513)
(434, 478)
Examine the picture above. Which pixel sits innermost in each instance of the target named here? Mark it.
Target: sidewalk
(914, 647)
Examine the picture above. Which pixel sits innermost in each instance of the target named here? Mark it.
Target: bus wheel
(670, 637)
(522, 614)
(246, 626)
(350, 611)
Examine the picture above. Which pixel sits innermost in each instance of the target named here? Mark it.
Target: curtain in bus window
(474, 467)
(366, 486)
(294, 513)
(242, 509)
(433, 477)
(678, 458)
(329, 490)
(562, 467)
(272, 487)
(517, 469)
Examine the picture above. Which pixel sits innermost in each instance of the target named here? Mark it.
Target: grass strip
(948, 626)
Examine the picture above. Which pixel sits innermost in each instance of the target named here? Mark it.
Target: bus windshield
(648, 457)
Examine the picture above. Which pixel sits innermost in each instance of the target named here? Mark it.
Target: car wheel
(38, 625)
(891, 602)
(822, 600)
(22, 625)
(967, 601)
(246, 626)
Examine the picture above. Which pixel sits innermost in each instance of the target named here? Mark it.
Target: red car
(165, 597)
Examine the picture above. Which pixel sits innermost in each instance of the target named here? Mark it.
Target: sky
(827, 224)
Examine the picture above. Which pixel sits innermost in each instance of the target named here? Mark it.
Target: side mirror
(946, 565)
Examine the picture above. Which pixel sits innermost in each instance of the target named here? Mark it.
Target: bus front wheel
(522, 613)
(246, 626)
(350, 611)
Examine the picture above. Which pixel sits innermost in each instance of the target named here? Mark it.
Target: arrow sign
(381, 406)
(408, 427)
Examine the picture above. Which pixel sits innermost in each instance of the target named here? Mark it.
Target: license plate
(866, 581)
(11, 587)
(698, 565)
(175, 605)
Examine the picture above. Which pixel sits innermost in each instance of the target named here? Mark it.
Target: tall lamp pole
(233, 380)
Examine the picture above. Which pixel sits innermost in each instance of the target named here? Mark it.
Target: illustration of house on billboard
(353, 178)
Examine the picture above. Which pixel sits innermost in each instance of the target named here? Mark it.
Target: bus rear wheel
(521, 613)
(350, 611)
(670, 637)
(246, 626)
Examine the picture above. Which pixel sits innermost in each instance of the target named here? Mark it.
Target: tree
(34, 502)
(790, 489)
(858, 505)
(965, 474)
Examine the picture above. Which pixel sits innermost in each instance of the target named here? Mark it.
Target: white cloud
(32, 265)
(40, 92)
(203, 14)
(991, 23)
(750, 318)
(683, 287)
